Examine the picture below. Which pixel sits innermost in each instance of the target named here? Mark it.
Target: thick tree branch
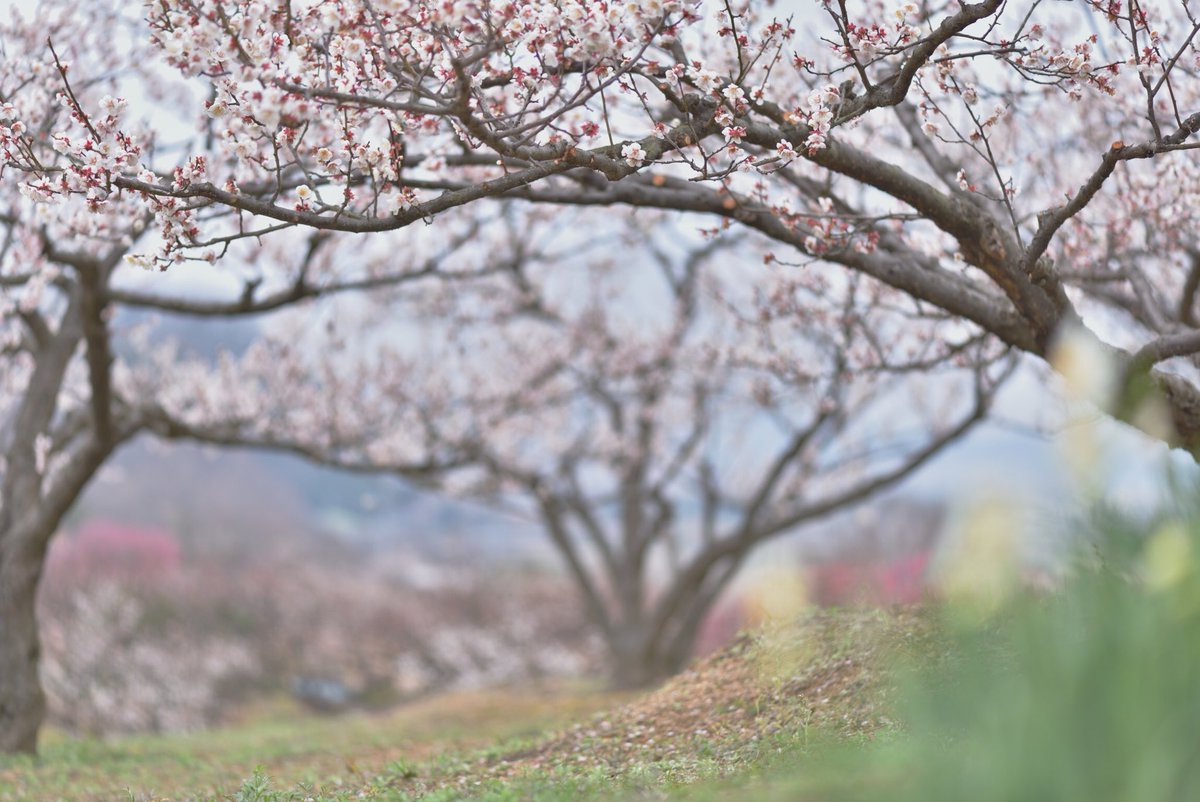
(22, 479)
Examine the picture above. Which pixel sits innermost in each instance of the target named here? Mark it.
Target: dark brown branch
(904, 271)
(99, 355)
(1167, 347)
(1187, 300)
(552, 161)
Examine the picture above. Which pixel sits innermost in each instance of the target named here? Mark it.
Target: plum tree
(996, 171)
(657, 401)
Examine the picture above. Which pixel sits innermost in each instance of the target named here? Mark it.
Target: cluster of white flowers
(819, 116)
(574, 30)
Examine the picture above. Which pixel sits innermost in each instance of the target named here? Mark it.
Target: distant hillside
(236, 502)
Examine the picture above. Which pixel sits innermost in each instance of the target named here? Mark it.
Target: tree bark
(635, 661)
(22, 701)
(640, 657)
(24, 542)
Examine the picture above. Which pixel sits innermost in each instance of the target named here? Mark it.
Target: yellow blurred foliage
(777, 595)
(980, 569)
(1087, 370)
(1168, 558)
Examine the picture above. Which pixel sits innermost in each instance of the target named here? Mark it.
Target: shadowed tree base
(22, 702)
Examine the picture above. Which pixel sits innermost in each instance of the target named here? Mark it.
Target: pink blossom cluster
(870, 40)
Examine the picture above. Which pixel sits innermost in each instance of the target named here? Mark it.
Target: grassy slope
(291, 745)
(734, 721)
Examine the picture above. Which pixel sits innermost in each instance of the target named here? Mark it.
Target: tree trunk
(637, 667)
(637, 661)
(22, 702)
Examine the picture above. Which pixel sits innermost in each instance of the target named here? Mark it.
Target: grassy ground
(291, 745)
(740, 720)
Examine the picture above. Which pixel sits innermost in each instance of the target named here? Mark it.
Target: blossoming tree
(1011, 168)
(78, 378)
(660, 413)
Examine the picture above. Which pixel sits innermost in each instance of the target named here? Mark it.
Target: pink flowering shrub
(901, 580)
(108, 548)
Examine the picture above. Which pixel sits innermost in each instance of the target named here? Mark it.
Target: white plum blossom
(734, 94)
(707, 81)
(634, 154)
